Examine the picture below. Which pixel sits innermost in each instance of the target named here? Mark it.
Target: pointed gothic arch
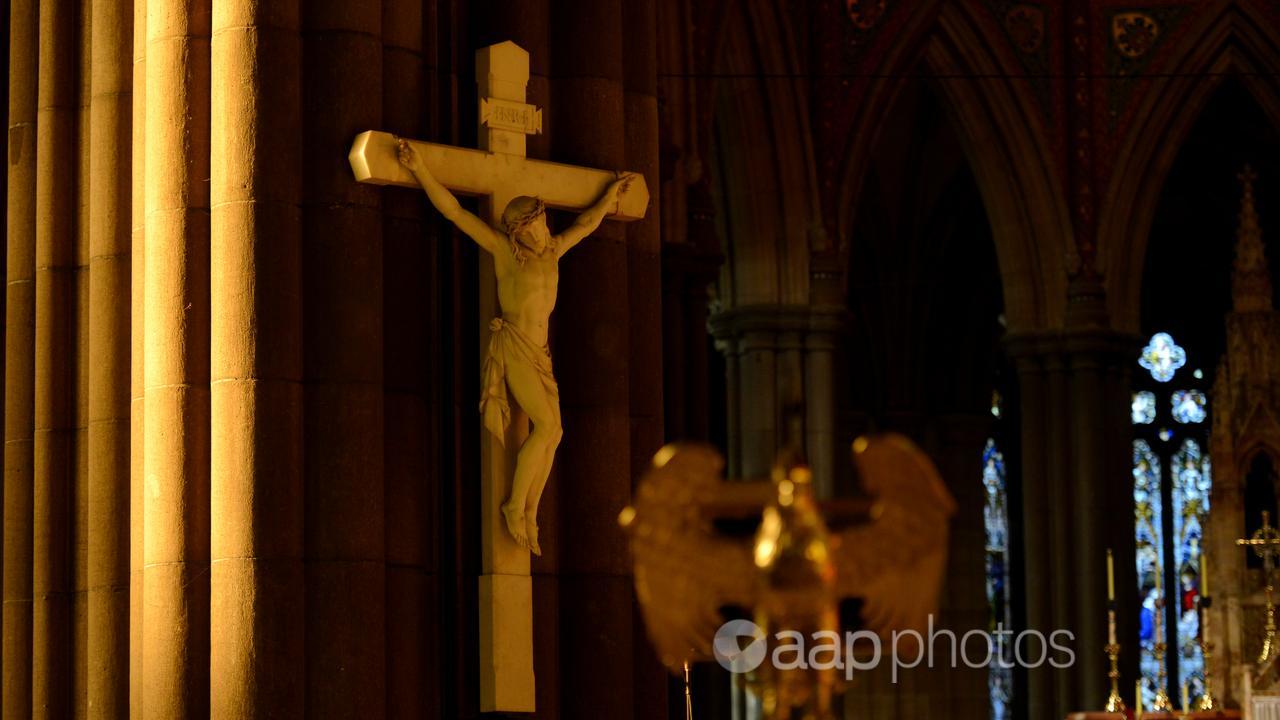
(1237, 41)
(1007, 148)
(765, 178)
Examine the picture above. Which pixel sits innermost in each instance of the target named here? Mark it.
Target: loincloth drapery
(508, 344)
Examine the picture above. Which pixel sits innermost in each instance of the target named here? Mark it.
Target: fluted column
(342, 286)
(176, 377)
(80, 374)
(256, 581)
(592, 351)
(110, 133)
(53, 571)
(19, 366)
(644, 287)
(1056, 476)
(137, 337)
(1036, 541)
(407, 361)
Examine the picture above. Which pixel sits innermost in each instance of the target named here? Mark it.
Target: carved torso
(527, 292)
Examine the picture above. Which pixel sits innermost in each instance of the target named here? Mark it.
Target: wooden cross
(1265, 543)
(496, 173)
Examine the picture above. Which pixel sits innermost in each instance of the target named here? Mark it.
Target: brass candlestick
(1206, 701)
(1115, 704)
(1161, 702)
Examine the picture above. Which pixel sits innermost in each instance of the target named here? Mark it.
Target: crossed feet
(523, 528)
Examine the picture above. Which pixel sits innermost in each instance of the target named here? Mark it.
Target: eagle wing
(684, 572)
(895, 562)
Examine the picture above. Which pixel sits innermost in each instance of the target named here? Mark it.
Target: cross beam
(485, 174)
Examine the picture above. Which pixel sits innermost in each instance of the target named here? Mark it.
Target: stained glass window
(1188, 406)
(1171, 482)
(1149, 537)
(1162, 357)
(1192, 476)
(1143, 409)
(996, 518)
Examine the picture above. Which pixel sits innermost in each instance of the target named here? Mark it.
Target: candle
(1204, 573)
(1111, 576)
(1186, 698)
(1111, 627)
(1137, 698)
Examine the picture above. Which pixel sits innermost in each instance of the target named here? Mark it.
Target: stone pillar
(19, 365)
(1035, 567)
(137, 335)
(175, 590)
(342, 293)
(408, 259)
(1088, 561)
(592, 351)
(80, 373)
(644, 288)
(827, 317)
(780, 359)
(53, 569)
(1076, 503)
(110, 132)
(257, 660)
(1056, 475)
(761, 430)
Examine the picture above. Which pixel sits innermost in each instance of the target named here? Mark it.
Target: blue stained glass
(996, 520)
(1143, 409)
(1162, 357)
(1150, 555)
(1192, 479)
(1188, 406)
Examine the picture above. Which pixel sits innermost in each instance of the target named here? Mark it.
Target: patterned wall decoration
(1133, 37)
(1028, 27)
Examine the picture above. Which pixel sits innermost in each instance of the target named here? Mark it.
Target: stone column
(137, 336)
(110, 133)
(408, 260)
(53, 571)
(175, 641)
(19, 365)
(823, 446)
(1056, 476)
(592, 351)
(257, 661)
(342, 292)
(760, 428)
(80, 376)
(644, 287)
(1088, 560)
(1036, 566)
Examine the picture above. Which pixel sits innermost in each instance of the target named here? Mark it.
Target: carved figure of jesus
(526, 260)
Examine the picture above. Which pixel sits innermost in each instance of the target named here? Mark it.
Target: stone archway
(1006, 145)
(1235, 41)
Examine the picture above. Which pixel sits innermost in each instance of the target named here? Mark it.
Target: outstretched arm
(475, 228)
(588, 221)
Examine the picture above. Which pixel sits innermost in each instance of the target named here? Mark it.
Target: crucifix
(518, 279)
(1265, 543)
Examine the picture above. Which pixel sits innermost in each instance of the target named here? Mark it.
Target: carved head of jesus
(525, 223)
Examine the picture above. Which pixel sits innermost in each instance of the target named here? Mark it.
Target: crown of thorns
(514, 221)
